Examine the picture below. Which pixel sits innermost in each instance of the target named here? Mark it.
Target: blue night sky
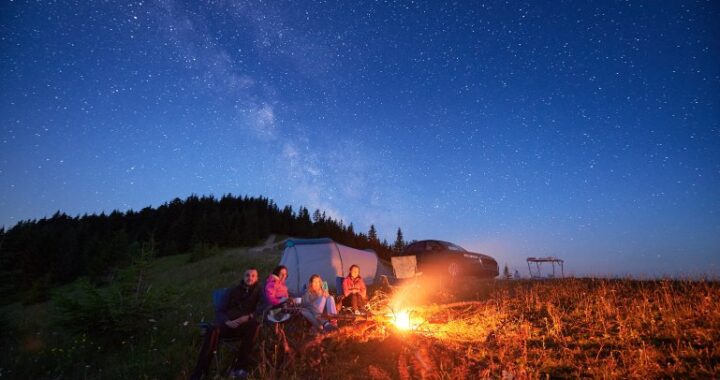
(586, 130)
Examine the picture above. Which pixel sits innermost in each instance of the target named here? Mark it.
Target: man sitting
(235, 318)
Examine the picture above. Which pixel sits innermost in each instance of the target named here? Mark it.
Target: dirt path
(269, 244)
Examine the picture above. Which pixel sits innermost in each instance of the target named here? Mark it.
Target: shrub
(120, 309)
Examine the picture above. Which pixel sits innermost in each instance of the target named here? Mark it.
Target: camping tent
(305, 257)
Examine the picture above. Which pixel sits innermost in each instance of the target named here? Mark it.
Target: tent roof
(293, 242)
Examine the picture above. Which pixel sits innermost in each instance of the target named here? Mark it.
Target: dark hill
(36, 254)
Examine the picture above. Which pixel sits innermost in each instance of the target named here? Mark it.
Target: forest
(36, 255)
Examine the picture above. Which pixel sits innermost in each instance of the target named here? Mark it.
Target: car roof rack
(538, 261)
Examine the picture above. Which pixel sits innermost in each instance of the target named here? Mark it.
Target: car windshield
(453, 247)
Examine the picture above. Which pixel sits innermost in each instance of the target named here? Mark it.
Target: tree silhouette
(399, 245)
(506, 273)
(372, 235)
(35, 254)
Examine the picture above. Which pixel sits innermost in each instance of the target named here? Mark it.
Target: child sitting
(314, 302)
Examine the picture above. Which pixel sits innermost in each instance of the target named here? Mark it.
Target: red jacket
(350, 283)
(275, 290)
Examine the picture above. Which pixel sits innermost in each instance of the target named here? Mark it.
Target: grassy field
(478, 329)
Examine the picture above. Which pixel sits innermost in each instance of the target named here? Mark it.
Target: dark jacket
(242, 300)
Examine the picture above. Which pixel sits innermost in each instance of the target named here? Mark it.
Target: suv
(441, 256)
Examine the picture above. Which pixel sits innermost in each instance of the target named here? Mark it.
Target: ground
(533, 329)
(565, 328)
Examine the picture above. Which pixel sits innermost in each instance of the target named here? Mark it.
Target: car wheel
(453, 269)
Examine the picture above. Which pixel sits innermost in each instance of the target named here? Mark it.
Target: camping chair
(219, 297)
(339, 290)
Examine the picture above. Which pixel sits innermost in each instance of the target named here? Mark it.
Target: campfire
(423, 334)
(404, 320)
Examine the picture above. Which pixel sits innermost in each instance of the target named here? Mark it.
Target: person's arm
(306, 300)
(347, 286)
(240, 320)
(362, 288)
(270, 295)
(254, 301)
(258, 303)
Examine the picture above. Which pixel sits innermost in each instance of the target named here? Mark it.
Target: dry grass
(531, 329)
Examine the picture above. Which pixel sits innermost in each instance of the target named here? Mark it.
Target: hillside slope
(40, 341)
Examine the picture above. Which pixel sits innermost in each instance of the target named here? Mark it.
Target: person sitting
(315, 301)
(276, 291)
(354, 290)
(235, 318)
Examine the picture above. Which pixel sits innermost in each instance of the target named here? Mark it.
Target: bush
(123, 308)
(39, 291)
(109, 313)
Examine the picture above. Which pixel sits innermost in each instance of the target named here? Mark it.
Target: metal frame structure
(538, 261)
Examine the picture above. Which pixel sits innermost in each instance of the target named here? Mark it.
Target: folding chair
(219, 297)
(339, 290)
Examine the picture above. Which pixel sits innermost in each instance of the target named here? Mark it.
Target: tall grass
(40, 342)
(536, 329)
(483, 329)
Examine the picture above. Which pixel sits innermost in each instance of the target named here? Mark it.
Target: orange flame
(403, 321)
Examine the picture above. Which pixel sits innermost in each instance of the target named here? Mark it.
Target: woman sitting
(314, 302)
(275, 291)
(354, 290)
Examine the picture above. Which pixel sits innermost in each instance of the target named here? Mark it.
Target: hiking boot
(328, 327)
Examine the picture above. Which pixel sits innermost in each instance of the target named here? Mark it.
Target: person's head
(315, 283)
(250, 277)
(281, 271)
(354, 271)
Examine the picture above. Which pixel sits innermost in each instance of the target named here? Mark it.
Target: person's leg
(330, 306)
(247, 332)
(347, 301)
(210, 342)
(310, 316)
(354, 301)
(361, 301)
(319, 304)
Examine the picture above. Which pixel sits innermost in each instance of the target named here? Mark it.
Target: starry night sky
(587, 130)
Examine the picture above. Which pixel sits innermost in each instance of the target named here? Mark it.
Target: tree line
(37, 254)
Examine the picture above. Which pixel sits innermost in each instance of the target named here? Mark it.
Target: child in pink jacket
(354, 290)
(276, 292)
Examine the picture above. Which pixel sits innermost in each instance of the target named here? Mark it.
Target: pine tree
(399, 245)
(506, 273)
(372, 235)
